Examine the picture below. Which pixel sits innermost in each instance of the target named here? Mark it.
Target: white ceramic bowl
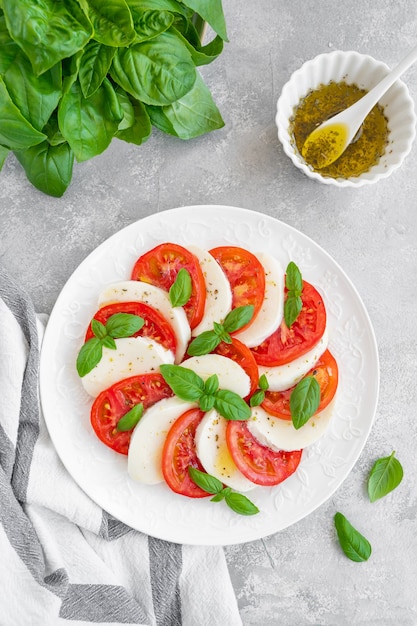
(365, 72)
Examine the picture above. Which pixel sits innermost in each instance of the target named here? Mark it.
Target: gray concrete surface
(298, 576)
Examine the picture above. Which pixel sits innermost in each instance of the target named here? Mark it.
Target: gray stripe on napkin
(165, 568)
(6, 453)
(111, 528)
(100, 604)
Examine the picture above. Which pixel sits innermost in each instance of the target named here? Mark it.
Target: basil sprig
(117, 326)
(293, 303)
(304, 401)
(354, 545)
(180, 290)
(208, 341)
(130, 419)
(259, 396)
(234, 500)
(189, 386)
(386, 474)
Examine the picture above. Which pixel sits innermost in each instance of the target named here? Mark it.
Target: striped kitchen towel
(62, 558)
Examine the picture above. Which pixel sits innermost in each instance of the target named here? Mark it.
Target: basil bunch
(77, 73)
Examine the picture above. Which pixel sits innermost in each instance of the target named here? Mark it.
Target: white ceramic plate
(155, 510)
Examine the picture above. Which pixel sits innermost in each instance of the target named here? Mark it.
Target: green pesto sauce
(322, 103)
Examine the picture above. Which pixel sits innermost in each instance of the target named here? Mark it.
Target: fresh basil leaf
(292, 308)
(212, 12)
(149, 24)
(218, 497)
(48, 167)
(220, 332)
(123, 325)
(263, 383)
(200, 55)
(353, 544)
(304, 401)
(231, 406)
(130, 419)
(185, 383)
(94, 65)
(89, 356)
(180, 290)
(98, 329)
(386, 474)
(3, 155)
(109, 342)
(135, 127)
(211, 385)
(293, 278)
(206, 403)
(238, 317)
(112, 21)
(204, 343)
(205, 481)
(240, 504)
(257, 398)
(16, 133)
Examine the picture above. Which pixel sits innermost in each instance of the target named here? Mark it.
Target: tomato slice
(245, 274)
(287, 344)
(160, 267)
(113, 403)
(325, 371)
(179, 453)
(155, 327)
(237, 351)
(262, 465)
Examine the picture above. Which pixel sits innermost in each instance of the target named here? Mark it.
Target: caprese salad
(210, 370)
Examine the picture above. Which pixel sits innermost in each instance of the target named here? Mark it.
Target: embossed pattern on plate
(155, 510)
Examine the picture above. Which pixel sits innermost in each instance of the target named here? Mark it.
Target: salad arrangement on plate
(209, 370)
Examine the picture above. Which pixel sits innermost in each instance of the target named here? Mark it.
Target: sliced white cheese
(283, 377)
(218, 291)
(231, 376)
(133, 356)
(280, 434)
(271, 313)
(144, 461)
(214, 455)
(138, 291)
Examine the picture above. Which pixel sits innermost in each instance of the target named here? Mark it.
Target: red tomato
(160, 267)
(286, 344)
(237, 351)
(325, 371)
(155, 327)
(245, 274)
(179, 453)
(259, 463)
(113, 403)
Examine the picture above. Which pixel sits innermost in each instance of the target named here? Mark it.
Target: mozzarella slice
(218, 291)
(231, 375)
(214, 455)
(133, 356)
(283, 377)
(280, 434)
(272, 310)
(144, 460)
(138, 291)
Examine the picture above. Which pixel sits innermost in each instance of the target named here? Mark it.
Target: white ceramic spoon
(329, 140)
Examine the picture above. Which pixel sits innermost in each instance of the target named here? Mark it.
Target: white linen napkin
(63, 558)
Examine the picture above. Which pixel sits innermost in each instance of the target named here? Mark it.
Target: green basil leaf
(238, 317)
(98, 329)
(257, 398)
(292, 309)
(220, 332)
(48, 167)
(353, 544)
(200, 55)
(149, 24)
(304, 401)
(109, 342)
(263, 383)
(89, 356)
(293, 278)
(211, 385)
(156, 72)
(47, 31)
(123, 325)
(203, 344)
(94, 65)
(386, 474)
(16, 133)
(218, 497)
(205, 481)
(111, 20)
(206, 402)
(180, 290)
(135, 127)
(130, 419)
(184, 383)
(173, 6)
(212, 12)
(3, 155)
(231, 406)
(240, 504)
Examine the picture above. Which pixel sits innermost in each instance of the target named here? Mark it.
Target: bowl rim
(289, 149)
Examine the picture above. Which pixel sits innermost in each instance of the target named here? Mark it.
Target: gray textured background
(298, 576)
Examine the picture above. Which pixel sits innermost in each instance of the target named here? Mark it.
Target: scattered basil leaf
(204, 343)
(123, 325)
(263, 383)
(89, 356)
(386, 474)
(293, 278)
(184, 383)
(257, 398)
(130, 419)
(231, 406)
(292, 309)
(354, 545)
(293, 302)
(180, 290)
(240, 504)
(208, 483)
(304, 401)
(98, 329)
(238, 317)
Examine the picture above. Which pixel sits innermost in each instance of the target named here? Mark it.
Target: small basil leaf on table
(130, 419)
(304, 401)
(386, 474)
(89, 355)
(354, 545)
